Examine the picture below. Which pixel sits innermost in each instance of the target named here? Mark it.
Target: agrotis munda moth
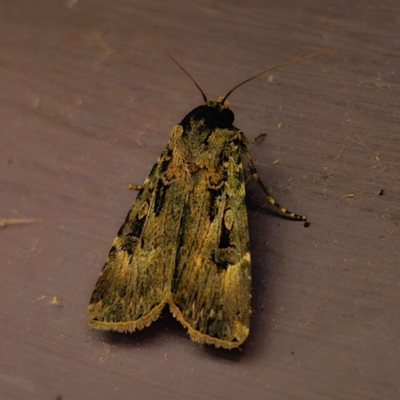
(185, 242)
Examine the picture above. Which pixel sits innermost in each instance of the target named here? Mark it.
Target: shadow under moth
(185, 242)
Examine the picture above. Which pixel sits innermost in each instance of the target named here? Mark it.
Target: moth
(185, 242)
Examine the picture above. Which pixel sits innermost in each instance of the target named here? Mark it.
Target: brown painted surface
(87, 101)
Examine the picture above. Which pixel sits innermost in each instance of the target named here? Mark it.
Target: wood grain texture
(87, 102)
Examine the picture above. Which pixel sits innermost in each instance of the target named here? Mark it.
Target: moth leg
(253, 171)
(134, 187)
(257, 139)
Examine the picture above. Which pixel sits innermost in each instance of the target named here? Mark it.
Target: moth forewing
(211, 291)
(135, 282)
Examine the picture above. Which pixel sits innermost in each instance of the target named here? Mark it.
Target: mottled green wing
(135, 282)
(211, 290)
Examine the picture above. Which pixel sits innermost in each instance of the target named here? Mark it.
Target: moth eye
(228, 115)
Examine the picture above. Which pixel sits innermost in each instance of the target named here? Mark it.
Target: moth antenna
(275, 67)
(190, 76)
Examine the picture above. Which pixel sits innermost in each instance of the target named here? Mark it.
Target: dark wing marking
(135, 282)
(211, 290)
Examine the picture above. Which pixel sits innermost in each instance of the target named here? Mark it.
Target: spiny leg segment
(257, 139)
(253, 171)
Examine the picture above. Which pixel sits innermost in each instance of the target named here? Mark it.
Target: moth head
(222, 106)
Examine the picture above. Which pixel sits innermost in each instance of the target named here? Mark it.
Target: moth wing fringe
(127, 326)
(202, 338)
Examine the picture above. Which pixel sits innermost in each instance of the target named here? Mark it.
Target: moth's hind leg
(253, 171)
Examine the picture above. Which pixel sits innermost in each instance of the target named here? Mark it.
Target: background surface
(87, 101)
